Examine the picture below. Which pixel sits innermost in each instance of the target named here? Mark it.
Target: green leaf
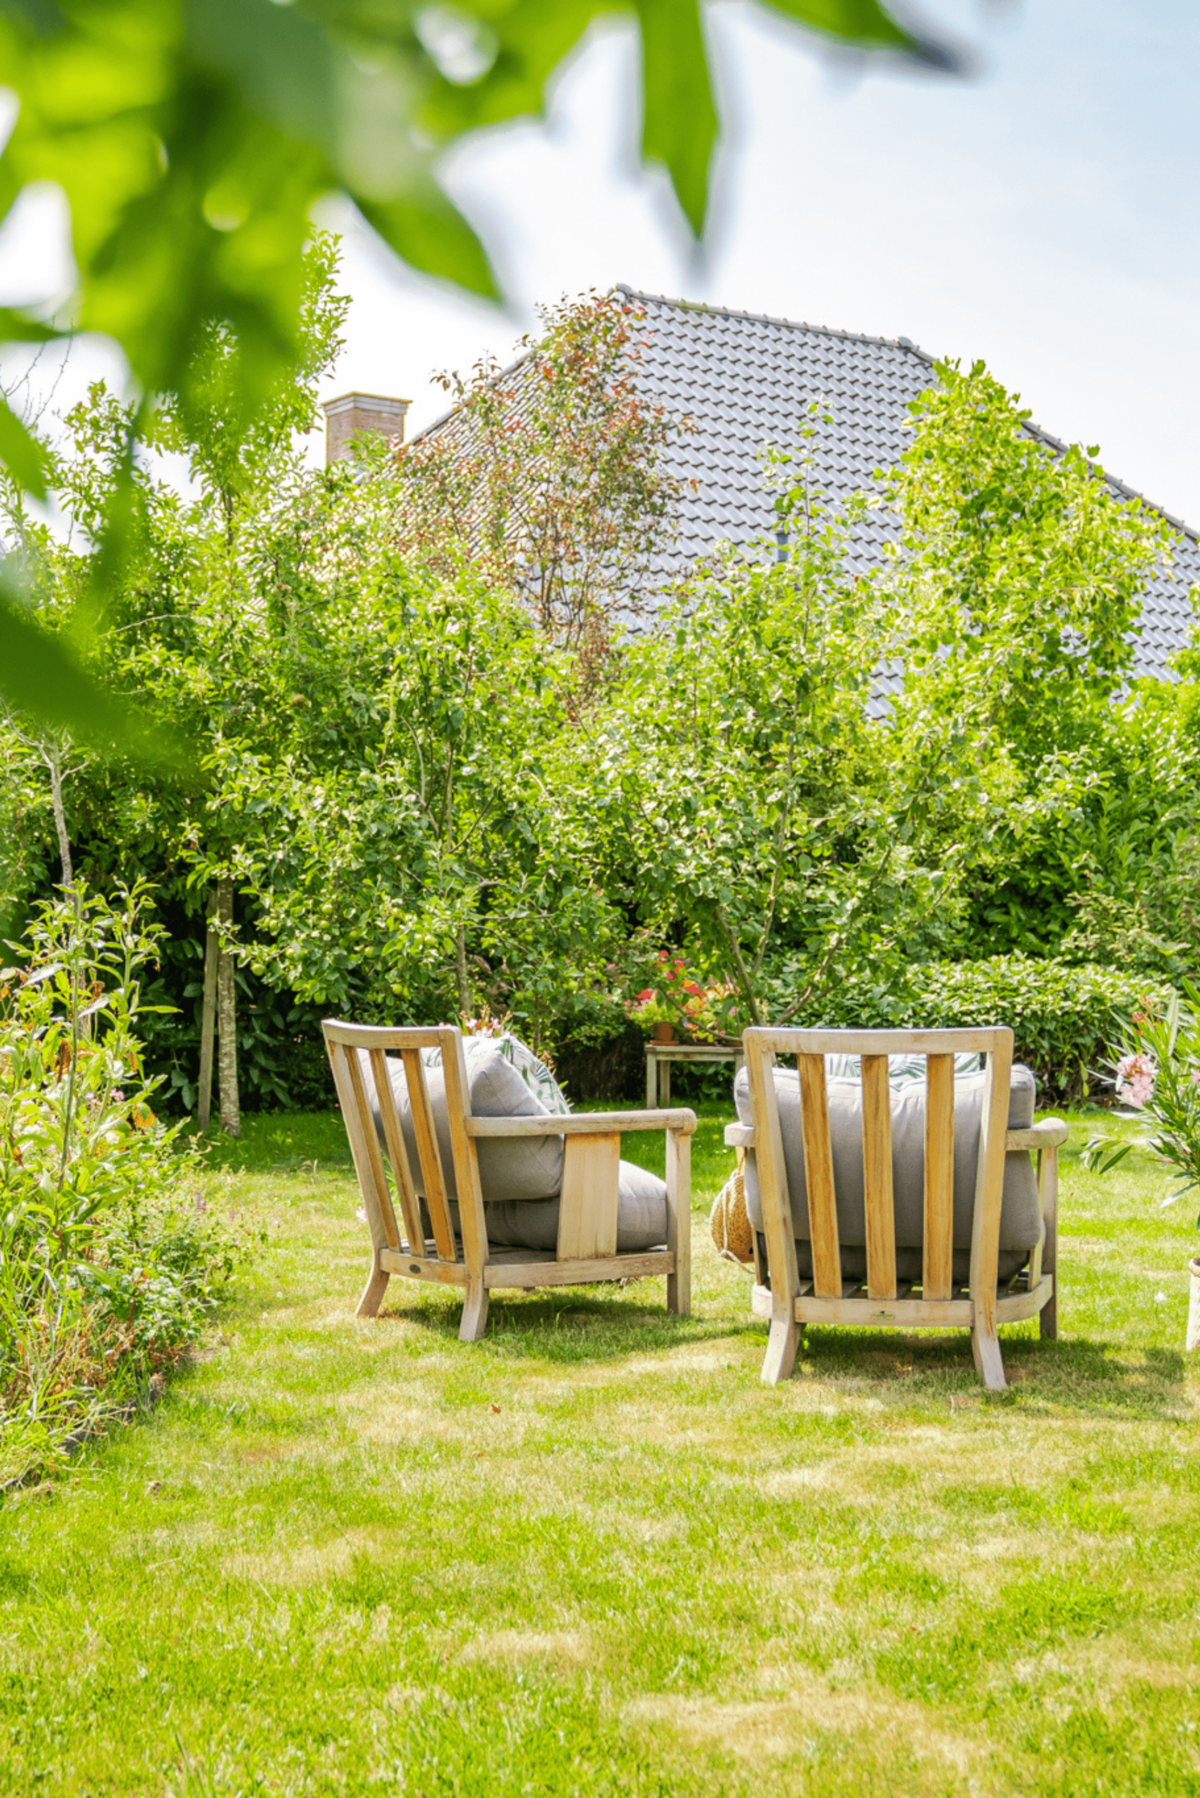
(21, 454)
(430, 234)
(679, 117)
(1103, 1153)
(855, 22)
(533, 37)
(679, 123)
(16, 327)
(42, 678)
(281, 62)
(42, 16)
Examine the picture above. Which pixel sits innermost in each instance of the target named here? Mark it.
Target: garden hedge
(1065, 1016)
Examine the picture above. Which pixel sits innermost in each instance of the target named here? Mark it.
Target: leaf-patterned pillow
(534, 1073)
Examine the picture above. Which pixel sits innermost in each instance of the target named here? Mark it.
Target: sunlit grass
(592, 1554)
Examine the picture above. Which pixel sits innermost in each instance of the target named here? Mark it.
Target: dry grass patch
(766, 1731)
(310, 1563)
(549, 1648)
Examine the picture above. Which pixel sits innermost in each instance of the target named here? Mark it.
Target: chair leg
(679, 1220)
(782, 1344)
(1048, 1316)
(373, 1291)
(474, 1313)
(989, 1363)
(679, 1294)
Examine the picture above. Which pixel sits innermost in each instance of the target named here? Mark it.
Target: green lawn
(594, 1555)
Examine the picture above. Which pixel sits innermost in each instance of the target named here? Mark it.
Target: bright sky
(1043, 216)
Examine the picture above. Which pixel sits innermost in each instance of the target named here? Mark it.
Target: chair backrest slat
(428, 1154)
(378, 1036)
(818, 1177)
(937, 1264)
(410, 1204)
(471, 1215)
(772, 1169)
(989, 1181)
(877, 1178)
(364, 1146)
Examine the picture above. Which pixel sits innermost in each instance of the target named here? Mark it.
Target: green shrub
(1063, 1016)
(108, 1259)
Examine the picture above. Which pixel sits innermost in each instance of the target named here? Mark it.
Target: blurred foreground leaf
(43, 680)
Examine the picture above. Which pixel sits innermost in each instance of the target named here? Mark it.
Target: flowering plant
(487, 1023)
(1157, 1072)
(702, 1012)
(1136, 1074)
(709, 1012)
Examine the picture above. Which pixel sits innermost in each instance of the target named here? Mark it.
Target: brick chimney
(355, 414)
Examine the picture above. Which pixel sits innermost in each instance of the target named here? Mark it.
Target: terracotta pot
(663, 1033)
(1193, 1323)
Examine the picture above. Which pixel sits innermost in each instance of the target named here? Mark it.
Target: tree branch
(744, 980)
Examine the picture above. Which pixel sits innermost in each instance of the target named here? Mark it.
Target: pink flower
(1135, 1080)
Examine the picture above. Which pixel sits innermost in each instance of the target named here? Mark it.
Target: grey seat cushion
(521, 1177)
(1020, 1219)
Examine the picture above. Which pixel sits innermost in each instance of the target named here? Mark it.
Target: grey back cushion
(521, 1176)
(641, 1216)
(1020, 1218)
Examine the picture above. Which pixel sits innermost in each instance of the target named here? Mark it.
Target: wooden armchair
(587, 1222)
(883, 1300)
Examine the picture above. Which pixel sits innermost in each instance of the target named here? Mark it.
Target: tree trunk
(208, 1013)
(227, 1081)
(60, 819)
(465, 1007)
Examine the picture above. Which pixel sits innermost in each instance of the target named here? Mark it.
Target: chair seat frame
(883, 1301)
(587, 1227)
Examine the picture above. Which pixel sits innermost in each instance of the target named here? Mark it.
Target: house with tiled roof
(745, 380)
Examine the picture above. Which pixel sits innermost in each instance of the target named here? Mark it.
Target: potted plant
(655, 1014)
(1157, 1072)
(678, 1006)
(662, 1008)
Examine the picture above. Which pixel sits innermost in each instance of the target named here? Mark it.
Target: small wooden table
(659, 1057)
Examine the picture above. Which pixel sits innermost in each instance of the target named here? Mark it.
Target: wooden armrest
(1050, 1133)
(739, 1136)
(586, 1123)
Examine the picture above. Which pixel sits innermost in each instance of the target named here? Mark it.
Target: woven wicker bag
(730, 1226)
